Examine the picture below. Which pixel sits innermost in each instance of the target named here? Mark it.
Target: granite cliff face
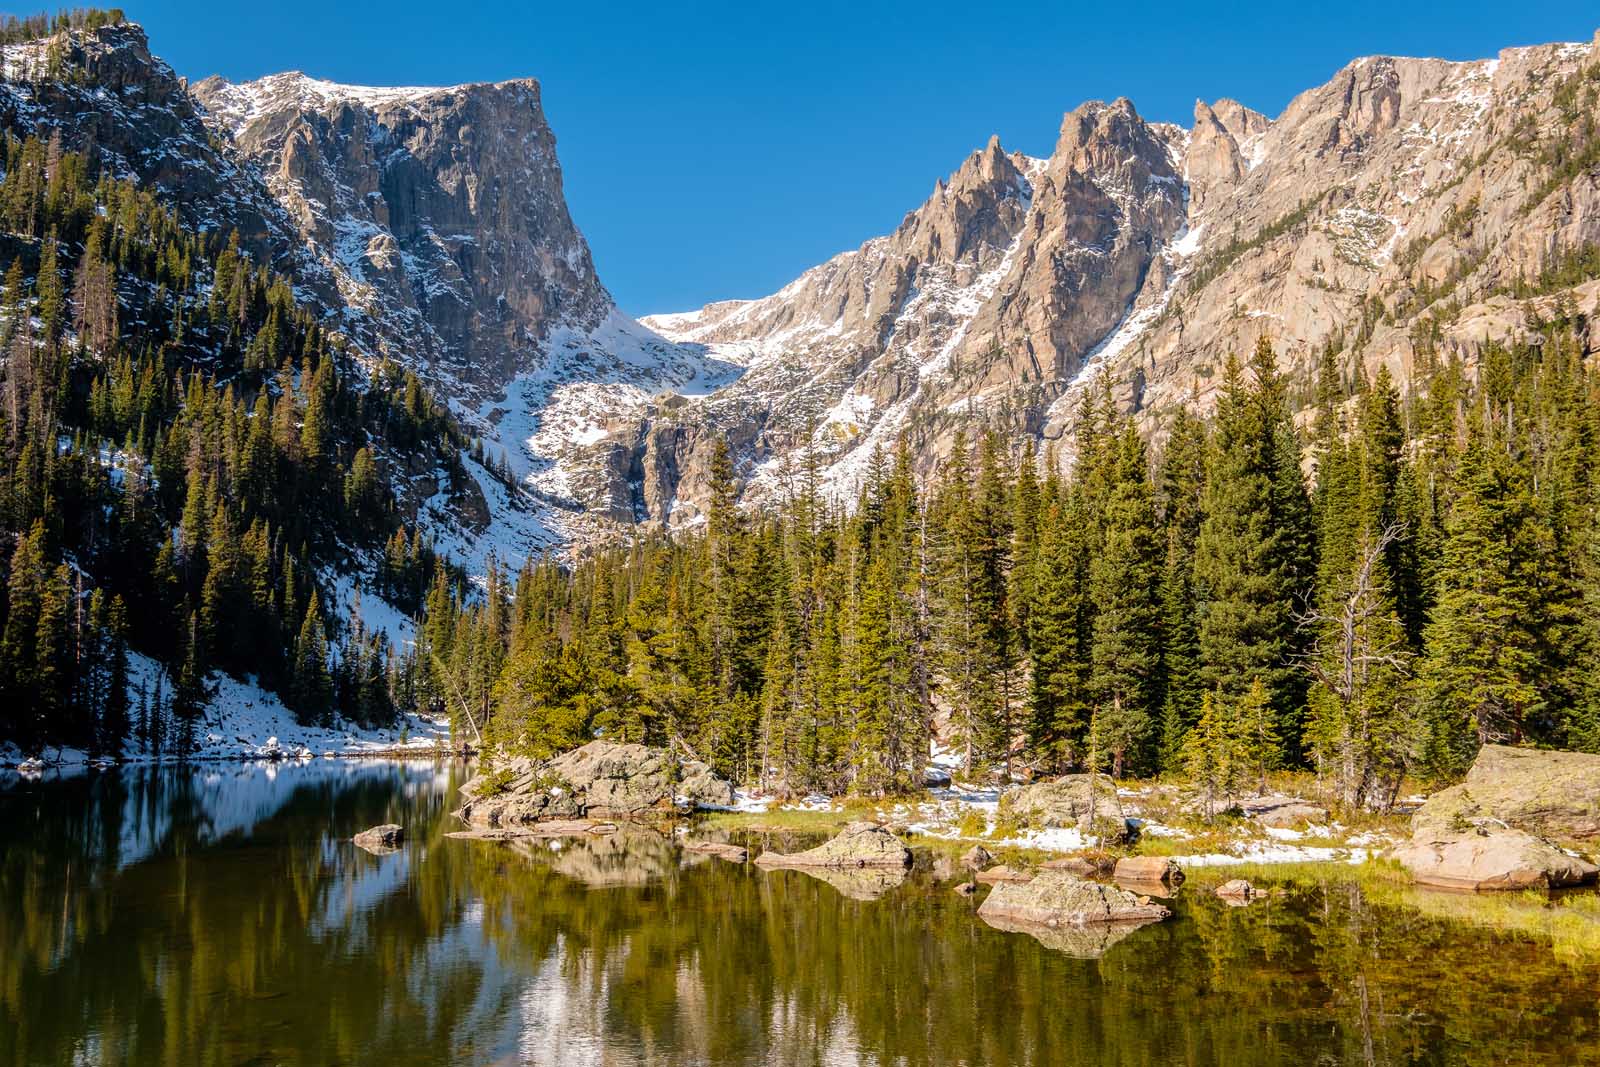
(1402, 213)
(983, 304)
(1392, 215)
(439, 213)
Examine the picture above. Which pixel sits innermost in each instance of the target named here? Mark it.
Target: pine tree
(1126, 646)
(1480, 662)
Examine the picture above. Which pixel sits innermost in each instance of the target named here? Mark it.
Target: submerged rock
(381, 840)
(600, 780)
(1059, 898)
(1491, 858)
(859, 844)
(1549, 794)
(722, 850)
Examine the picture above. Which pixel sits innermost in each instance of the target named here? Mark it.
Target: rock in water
(1148, 869)
(859, 844)
(1238, 890)
(1059, 898)
(381, 839)
(1001, 873)
(1550, 794)
(723, 850)
(976, 858)
(1491, 858)
(601, 780)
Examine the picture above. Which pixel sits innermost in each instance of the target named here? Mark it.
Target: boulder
(1491, 858)
(859, 844)
(1058, 898)
(935, 777)
(381, 839)
(601, 780)
(1239, 891)
(1084, 866)
(1001, 873)
(1290, 813)
(1148, 869)
(722, 850)
(976, 858)
(1549, 794)
(1065, 803)
(966, 889)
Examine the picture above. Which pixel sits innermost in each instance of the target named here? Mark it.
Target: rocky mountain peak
(454, 245)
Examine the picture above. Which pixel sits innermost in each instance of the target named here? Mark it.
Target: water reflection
(220, 915)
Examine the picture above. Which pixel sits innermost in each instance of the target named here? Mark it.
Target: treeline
(14, 30)
(185, 445)
(1372, 596)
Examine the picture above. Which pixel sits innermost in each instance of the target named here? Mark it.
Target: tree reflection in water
(219, 915)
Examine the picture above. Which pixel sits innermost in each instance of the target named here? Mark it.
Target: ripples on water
(218, 915)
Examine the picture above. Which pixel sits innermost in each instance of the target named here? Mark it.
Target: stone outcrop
(858, 845)
(601, 780)
(1065, 802)
(438, 212)
(1551, 794)
(1290, 813)
(1497, 828)
(380, 840)
(1059, 898)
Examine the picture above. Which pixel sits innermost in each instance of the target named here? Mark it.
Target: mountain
(439, 215)
(1398, 215)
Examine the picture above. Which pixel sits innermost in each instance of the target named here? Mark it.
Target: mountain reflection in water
(218, 914)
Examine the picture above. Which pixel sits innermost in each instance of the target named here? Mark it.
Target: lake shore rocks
(1491, 857)
(1060, 898)
(601, 780)
(381, 840)
(1157, 869)
(1496, 829)
(1066, 801)
(1001, 873)
(1239, 891)
(859, 844)
(722, 850)
(1549, 794)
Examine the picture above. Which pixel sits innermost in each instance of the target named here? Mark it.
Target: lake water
(218, 915)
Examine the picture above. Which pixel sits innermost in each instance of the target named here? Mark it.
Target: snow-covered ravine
(243, 722)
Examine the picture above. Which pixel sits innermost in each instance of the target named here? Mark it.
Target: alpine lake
(218, 914)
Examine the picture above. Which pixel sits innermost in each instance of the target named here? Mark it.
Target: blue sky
(716, 150)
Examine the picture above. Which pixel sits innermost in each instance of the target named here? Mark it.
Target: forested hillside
(186, 450)
(1209, 610)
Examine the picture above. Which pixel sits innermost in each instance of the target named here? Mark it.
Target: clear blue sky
(716, 150)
